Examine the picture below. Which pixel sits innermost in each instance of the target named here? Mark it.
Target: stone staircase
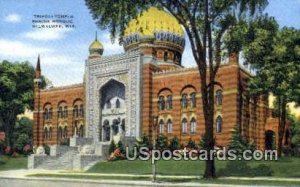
(64, 157)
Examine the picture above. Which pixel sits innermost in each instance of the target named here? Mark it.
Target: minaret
(96, 49)
(36, 114)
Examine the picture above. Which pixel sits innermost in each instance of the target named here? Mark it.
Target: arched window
(169, 102)
(193, 125)
(161, 103)
(50, 113)
(165, 56)
(65, 135)
(219, 122)
(60, 133)
(123, 125)
(65, 115)
(184, 101)
(59, 112)
(170, 126)
(115, 126)
(108, 104)
(219, 97)
(193, 100)
(45, 133)
(50, 133)
(161, 126)
(118, 104)
(81, 111)
(45, 114)
(184, 126)
(81, 131)
(106, 131)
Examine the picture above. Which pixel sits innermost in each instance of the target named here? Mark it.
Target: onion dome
(154, 26)
(96, 48)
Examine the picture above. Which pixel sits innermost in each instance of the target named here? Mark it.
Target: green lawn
(285, 167)
(9, 163)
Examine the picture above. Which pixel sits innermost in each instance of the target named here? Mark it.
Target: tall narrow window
(50, 113)
(59, 112)
(193, 126)
(50, 133)
(65, 135)
(161, 126)
(118, 104)
(193, 100)
(165, 56)
(65, 115)
(184, 101)
(81, 111)
(184, 126)
(60, 133)
(45, 133)
(219, 122)
(219, 97)
(45, 114)
(170, 126)
(169, 102)
(161, 103)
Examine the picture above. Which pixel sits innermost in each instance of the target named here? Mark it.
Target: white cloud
(13, 18)
(17, 49)
(109, 47)
(51, 59)
(46, 34)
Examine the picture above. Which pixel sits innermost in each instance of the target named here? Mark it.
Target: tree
(16, 93)
(275, 55)
(206, 22)
(174, 144)
(239, 143)
(23, 134)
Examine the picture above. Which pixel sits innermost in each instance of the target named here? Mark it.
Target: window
(165, 56)
(45, 114)
(118, 104)
(59, 112)
(75, 111)
(193, 100)
(45, 133)
(81, 131)
(106, 131)
(184, 101)
(184, 126)
(219, 97)
(50, 133)
(60, 133)
(161, 126)
(65, 115)
(219, 122)
(193, 126)
(170, 126)
(50, 113)
(169, 102)
(81, 111)
(161, 103)
(65, 135)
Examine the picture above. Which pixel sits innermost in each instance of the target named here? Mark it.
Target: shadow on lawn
(242, 169)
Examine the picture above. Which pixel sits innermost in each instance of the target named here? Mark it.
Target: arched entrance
(112, 104)
(270, 140)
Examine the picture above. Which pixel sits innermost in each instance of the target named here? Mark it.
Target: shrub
(161, 142)
(174, 144)
(47, 149)
(191, 144)
(143, 142)
(2, 146)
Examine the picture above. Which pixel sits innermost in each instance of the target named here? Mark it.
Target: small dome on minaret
(96, 48)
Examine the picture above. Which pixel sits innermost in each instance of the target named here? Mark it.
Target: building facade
(121, 94)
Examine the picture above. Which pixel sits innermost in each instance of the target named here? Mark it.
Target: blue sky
(63, 51)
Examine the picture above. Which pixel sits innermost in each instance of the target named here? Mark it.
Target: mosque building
(121, 94)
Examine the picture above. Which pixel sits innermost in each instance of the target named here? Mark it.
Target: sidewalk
(18, 177)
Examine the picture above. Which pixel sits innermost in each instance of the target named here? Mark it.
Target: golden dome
(154, 25)
(96, 45)
(153, 20)
(96, 48)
